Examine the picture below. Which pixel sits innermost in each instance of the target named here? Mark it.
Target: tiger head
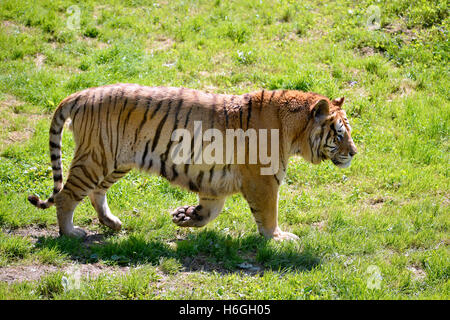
(327, 134)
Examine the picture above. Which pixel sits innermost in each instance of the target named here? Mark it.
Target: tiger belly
(216, 179)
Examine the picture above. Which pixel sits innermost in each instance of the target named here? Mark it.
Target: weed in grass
(169, 266)
(51, 285)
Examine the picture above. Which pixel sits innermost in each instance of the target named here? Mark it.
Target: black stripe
(174, 172)
(271, 96)
(276, 178)
(328, 136)
(108, 122)
(102, 148)
(70, 191)
(78, 186)
(100, 107)
(213, 112)
(55, 157)
(320, 141)
(158, 106)
(83, 123)
(117, 131)
(187, 117)
(88, 186)
(120, 172)
(160, 126)
(240, 116)
(74, 103)
(208, 199)
(262, 98)
(162, 169)
(211, 173)
(224, 171)
(61, 117)
(75, 114)
(99, 123)
(192, 186)
(95, 159)
(200, 178)
(87, 174)
(144, 120)
(145, 153)
(175, 126)
(249, 115)
(150, 164)
(55, 145)
(311, 148)
(186, 165)
(136, 101)
(92, 116)
(55, 132)
(225, 112)
(34, 201)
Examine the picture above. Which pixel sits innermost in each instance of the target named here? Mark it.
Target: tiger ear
(321, 110)
(338, 101)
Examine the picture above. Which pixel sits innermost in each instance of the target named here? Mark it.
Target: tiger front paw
(74, 232)
(285, 236)
(278, 235)
(187, 216)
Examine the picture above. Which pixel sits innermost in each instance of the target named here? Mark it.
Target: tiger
(121, 127)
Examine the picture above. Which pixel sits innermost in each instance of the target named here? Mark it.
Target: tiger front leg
(262, 197)
(207, 210)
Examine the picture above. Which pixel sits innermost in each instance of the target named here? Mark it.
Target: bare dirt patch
(320, 225)
(417, 272)
(39, 60)
(367, 51)
(35, 232)
(34, 272)
(12, 26)
(159, 44)
(378, 202)
(400, 29)
(201, 263)
(25, 273)
(405, 88)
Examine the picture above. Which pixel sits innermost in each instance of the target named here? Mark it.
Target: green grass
(388, 212)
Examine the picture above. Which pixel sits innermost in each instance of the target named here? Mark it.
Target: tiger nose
(352, 152)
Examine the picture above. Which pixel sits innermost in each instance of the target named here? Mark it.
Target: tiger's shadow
(207, 250)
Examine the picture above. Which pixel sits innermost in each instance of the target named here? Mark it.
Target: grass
(385, 218)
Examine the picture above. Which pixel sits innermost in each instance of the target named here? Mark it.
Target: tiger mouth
(341, 165)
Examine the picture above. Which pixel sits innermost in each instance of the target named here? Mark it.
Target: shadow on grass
(207, 251)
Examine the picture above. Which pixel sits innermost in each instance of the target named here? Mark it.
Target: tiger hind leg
(99, 202)
(74, 190)
(207, 210)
